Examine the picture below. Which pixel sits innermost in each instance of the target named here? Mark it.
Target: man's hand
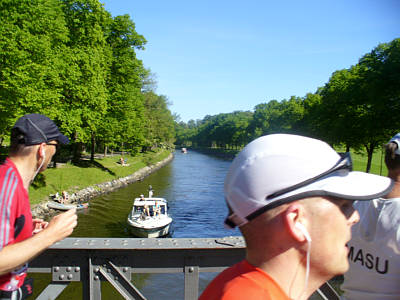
(39, 225)
(58, 228)
(61, 225)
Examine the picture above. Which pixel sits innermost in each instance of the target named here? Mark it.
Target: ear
(41, 150)
(293, 217)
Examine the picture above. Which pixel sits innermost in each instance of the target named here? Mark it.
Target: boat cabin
(139, 206)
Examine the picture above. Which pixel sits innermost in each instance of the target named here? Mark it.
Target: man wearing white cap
(374, 255)
(291, 197)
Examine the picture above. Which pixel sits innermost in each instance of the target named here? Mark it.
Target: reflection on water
(193, 185)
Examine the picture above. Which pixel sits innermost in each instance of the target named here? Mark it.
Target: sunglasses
(344, 163)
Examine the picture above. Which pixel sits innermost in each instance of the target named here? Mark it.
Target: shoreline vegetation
(88, 179)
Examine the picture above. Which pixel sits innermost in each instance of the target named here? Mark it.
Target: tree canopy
(74, 62)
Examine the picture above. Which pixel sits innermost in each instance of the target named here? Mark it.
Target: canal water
(193, 185)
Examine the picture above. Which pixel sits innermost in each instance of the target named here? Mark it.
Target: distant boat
(61, 206)
(149, 217)
(184, 150)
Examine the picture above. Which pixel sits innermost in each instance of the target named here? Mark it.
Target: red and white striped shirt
(15, 219)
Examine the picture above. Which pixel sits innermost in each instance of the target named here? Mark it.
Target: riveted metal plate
(66, 273)
(156, 243)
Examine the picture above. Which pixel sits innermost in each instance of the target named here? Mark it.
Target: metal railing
(95, 260)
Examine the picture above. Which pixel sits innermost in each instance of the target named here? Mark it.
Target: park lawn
(73, 178)
(377, 166)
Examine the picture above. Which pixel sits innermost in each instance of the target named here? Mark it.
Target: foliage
(158, 123)
(33, 37)
(70, 60)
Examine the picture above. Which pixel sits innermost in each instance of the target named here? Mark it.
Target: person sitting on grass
(65, 197)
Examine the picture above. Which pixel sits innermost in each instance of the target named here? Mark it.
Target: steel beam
(93, 260)
(52, 291)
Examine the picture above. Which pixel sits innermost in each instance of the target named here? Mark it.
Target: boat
(62, 206)
(184, 150)
(149, 217)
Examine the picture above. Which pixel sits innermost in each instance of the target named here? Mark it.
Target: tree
(125, 107)
(159, 125)
(33, 37)
(84, 102)
(380, 72)
(277, 117)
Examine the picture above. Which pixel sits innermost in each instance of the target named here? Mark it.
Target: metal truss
(96, 260)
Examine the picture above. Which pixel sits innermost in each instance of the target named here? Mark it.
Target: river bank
(218, 152)
(41, 210)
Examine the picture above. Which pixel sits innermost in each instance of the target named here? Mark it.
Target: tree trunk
(105, 151)
(93, 147)
(77, 149)
(370, 150)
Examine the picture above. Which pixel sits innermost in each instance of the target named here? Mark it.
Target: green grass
(377, 166)
(72, 178)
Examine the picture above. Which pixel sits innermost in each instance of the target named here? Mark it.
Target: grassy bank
(74, 177)
(377, 166)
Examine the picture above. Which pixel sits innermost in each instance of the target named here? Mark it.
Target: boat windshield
(152, 208)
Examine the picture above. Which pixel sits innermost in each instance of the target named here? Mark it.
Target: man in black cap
(34, 140)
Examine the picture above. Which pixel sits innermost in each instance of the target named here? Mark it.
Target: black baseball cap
(37, 128)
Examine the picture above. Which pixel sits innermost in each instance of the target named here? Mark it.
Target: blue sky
(221, 56)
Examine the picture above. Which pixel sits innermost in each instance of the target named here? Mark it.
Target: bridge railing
(96, 260)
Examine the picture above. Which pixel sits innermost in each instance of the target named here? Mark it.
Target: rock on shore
(42, 211)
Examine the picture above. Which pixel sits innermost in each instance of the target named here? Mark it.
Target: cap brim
(351, 185)
(63, 139)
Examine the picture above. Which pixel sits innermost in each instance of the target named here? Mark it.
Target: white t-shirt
(374, 254)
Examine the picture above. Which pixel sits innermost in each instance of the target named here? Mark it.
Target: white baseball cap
(279, 168)
(396, 139)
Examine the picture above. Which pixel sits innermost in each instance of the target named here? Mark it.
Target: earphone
(41, 164)
(307, 236)
(303, 229)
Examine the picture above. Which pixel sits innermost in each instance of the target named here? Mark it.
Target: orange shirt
(243, 281)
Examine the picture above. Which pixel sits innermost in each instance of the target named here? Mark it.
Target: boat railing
(92, 261)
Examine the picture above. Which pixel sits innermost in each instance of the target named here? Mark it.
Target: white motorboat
(149, 217)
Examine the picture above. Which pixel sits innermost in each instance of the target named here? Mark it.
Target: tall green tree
(33, 37)
(348, 117)
(380, 73)
(125, 106)
(84, 102)
(159, 122)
